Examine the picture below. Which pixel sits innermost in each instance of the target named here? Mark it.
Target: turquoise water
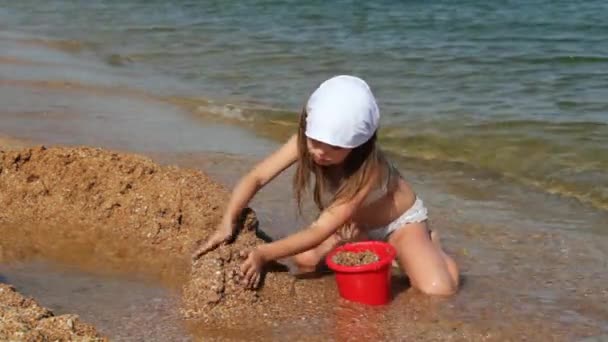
(516, 88)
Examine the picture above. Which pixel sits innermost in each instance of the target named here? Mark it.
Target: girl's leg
(452, 266)
(421, 257)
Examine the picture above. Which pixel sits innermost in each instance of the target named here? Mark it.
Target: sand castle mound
(162, 212)
(128, 195)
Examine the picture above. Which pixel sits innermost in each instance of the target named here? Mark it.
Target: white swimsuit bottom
(416, 213)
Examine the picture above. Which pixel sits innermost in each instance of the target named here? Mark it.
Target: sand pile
(130, 196)
(164, 211)
(22, 319)
(214, 289)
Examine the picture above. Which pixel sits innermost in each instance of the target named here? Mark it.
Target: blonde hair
(356, 170)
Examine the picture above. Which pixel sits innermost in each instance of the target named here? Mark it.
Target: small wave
(143, 29)
(64, 45)
(551, 156)
(571, 59)
(545, 126)
(118, 60)
(545, 155)
(557, 162)
(20, 61)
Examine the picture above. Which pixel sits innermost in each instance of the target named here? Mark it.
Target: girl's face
(325, 154)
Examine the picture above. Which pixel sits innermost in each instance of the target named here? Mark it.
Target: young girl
(360, 194)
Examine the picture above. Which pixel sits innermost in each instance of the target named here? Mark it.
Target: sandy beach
(101, 221)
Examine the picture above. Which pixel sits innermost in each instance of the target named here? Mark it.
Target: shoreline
(424, 144)
(10, 143)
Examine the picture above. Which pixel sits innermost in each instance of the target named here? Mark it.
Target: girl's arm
(328, 223)
(246, 188)
(259, 176)
(330, 220)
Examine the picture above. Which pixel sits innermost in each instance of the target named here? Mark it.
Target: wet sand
(531, 269)
(22, 319)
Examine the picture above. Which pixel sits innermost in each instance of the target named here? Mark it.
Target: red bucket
(370, 283)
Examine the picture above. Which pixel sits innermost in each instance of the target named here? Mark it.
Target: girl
(359, 193)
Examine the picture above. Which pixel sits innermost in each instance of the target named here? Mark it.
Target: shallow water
(120, 308)
(65, 116)
(513, 88)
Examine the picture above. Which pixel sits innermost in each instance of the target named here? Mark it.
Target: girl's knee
(443, 287)
(453, 269)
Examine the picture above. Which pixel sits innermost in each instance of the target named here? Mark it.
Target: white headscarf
(342, 112)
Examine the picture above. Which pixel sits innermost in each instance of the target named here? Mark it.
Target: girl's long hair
(355, 172)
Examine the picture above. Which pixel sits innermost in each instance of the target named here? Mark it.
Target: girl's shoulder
(389, 169)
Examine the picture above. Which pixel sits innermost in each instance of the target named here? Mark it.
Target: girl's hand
(350, 232)
(223, 233)
(251, 269)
